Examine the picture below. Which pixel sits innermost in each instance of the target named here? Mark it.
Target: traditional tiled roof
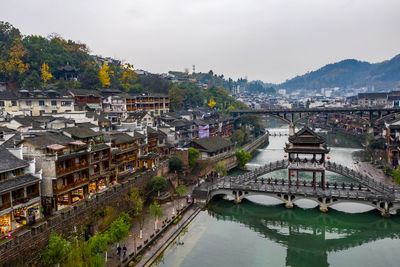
(372, 95)
(120, 138)
(14, 140)
(10, 162)
(86, 124)
(212, 143)
(5, 129)
(43, 139)
(137, 115)
(20, 181)
(81, 132)
(8, 95)
(306, 135)
(84, 92)
(151, 130)
(306, 141)
(139, 135)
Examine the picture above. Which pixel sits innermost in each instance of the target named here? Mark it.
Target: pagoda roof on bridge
(306, 136)
(306, 141)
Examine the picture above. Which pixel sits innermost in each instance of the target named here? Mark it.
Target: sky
(268, 40)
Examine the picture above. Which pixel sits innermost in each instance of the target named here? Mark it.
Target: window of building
(1, 103)
(41, 103)
(13, 103)
(54, 103)
(28, 103)
(54, 111)
(66, 103)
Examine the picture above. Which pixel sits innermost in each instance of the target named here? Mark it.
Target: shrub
(193, 155)
(158, 183)
(242, 157)
(175, 163)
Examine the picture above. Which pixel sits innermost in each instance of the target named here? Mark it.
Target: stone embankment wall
(229, 159)
(30, 241)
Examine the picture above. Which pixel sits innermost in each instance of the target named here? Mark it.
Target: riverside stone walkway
(373, 172)
(148, 229)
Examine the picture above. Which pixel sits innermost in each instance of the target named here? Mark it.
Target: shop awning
(55, 147)
(93, 106)
(78, 143)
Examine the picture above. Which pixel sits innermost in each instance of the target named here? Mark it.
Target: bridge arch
(264, 115)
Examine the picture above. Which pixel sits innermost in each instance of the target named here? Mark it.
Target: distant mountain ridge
(349, 73)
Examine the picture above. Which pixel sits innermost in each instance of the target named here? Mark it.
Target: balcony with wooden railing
(67, 187)
(33, 195)
(74, 168)
(5, 205)
(20, 200)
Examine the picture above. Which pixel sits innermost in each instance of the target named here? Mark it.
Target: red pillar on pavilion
(306, 153)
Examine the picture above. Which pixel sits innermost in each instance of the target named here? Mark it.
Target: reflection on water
(254, 233)
(250, 234)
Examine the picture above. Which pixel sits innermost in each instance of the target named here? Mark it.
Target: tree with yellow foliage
(211, 103)
(104, 75)
(128, 76)
(46, 75)
(15, 63)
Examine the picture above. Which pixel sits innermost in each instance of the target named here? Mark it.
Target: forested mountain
(350, 73)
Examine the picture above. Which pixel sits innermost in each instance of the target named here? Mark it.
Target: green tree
(238, 137)
(220, 169)
(193, 155)
(242, 157)
(181, 190)
(175, 163)
(158, 183)
(57, 249)
(135, 198)
(176, 97)
(156, 212)
(396, 176)
(120, 227)
(83, 255)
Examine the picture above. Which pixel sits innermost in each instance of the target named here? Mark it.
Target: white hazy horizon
(268, 40)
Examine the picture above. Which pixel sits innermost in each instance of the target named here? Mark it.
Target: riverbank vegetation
(243, 158)
(193, 154)
(81, 252)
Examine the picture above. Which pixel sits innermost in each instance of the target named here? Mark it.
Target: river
(257, 232)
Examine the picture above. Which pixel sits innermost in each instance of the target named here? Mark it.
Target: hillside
(350, 73)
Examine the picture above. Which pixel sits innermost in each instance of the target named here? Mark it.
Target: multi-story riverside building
(19, 193)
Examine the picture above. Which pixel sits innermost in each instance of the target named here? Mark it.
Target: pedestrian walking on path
(118, 250)
(124, 249)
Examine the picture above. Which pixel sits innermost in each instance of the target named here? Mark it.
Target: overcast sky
(269, 40)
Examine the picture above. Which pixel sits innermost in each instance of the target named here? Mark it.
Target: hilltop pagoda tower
(307, 151)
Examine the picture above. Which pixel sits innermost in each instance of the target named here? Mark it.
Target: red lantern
(328, 157)
(285, 156)
(292, 174)
(390, 155)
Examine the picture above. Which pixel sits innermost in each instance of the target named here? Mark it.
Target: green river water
(258, 232)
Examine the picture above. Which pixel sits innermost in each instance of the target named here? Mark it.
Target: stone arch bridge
(368, 192)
